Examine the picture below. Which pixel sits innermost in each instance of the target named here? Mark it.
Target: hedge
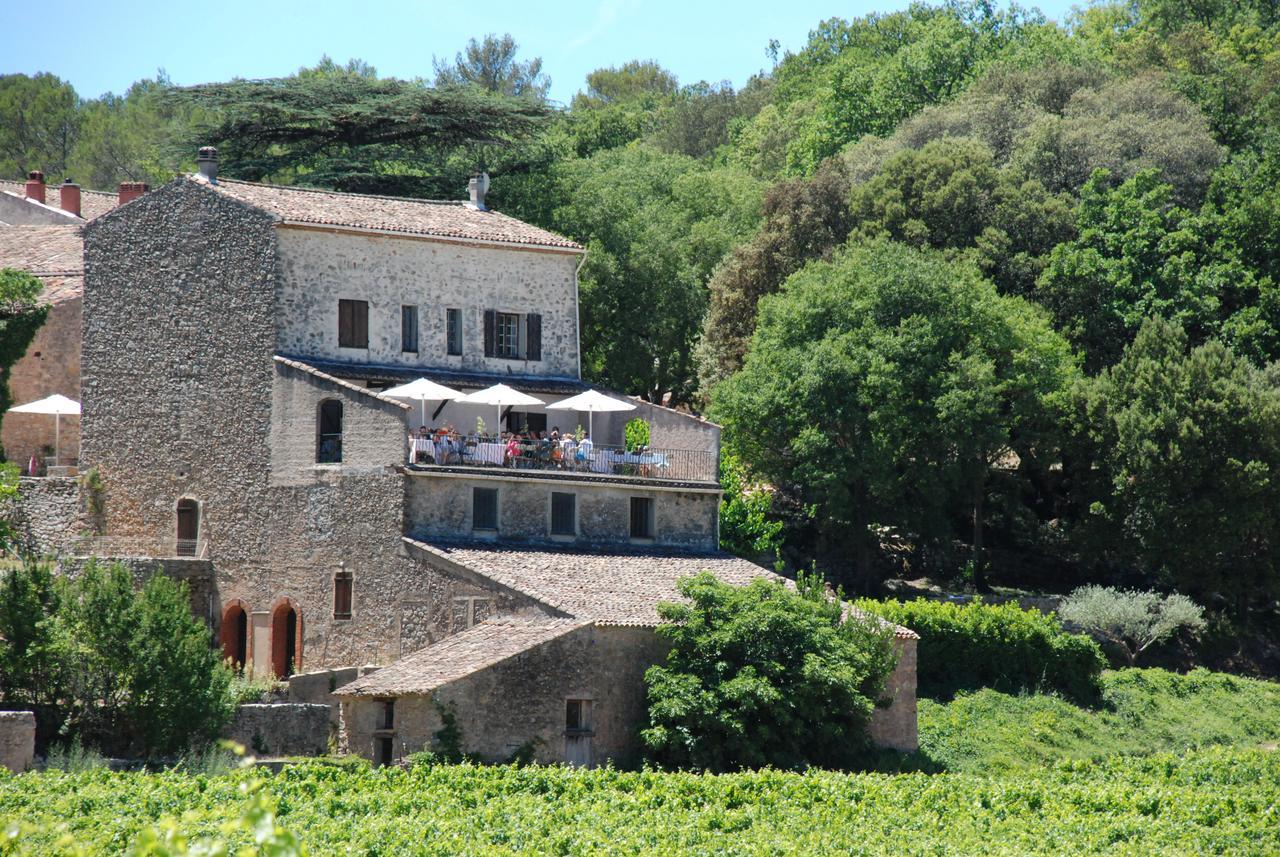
(1000, 646)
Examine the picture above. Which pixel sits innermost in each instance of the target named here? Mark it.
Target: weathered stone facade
(51, 365)
(17, 740)
(894, 726)
(49, 516)
(281, 729)
(317, 268)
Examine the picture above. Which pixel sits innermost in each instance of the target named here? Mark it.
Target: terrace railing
(164, 548)
(587, 458)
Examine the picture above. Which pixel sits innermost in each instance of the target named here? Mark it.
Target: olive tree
(1133, 621)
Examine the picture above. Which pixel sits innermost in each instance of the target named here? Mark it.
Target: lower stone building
(561, 676)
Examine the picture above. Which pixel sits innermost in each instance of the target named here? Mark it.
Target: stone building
(237, 338)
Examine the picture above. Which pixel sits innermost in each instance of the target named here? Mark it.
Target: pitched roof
(480, 646)
(93, 203)
(55, 254)
(434, 218)
(607, 587)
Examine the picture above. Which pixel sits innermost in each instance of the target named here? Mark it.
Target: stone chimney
(207, 163)
(35, 185)
(477, 188)
(70, 197)
(129, 191)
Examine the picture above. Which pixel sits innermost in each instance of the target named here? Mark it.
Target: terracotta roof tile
(55, 254)
(606, 587)
(434, 218)
(93, 203)
(477, 648)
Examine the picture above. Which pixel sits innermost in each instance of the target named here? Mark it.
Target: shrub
(746, 526)
(1002, 647)
(1133, 621)
(763, 675)
(636, 434)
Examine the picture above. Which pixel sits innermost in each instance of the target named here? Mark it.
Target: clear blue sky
(105, 46)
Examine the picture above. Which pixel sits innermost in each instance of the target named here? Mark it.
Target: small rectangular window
(507, 343)
(564, 514)
(409, 328)
(641, 517)
(385, 756)
(484, 508)
(453, 331)
(353, 324)
(388, 714)
(342, 595)
(577, 715)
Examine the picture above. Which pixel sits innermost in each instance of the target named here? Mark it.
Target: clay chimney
(207, 163)
(477, 187)
(35, 185)
(70, 197)
(129, 191)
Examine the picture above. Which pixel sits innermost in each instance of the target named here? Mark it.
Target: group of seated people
(551, 450)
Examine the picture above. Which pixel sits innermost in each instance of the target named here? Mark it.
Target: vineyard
(1216, 801)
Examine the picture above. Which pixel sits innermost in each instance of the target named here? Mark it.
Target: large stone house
(237, 339)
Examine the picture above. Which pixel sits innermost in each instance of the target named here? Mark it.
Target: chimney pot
(207, 163)
(70, 197)
(477, 188)
(35, 185)
(129, 191)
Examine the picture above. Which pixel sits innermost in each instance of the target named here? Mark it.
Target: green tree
(763, 675)
(28, 598)
(1132, 621)
(632, 81)
(490, 63)
(38, 124)
(747, 526)
(884, 385)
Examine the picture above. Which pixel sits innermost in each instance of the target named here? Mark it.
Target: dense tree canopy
(490, 63)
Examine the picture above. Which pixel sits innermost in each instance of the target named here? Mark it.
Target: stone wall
(51, 365)
(320, 267)
(281, 729)
(895, 726)
(439, 506)
(17, 740)
(522, 700)
(48, 516)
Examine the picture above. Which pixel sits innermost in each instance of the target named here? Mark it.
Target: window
(188, 535)
(409, 328)
(468, 610)
(577, 715)
(453, 330)
(484, 508)
(512, 336)
(387, 720)
(329, 432)
(523, 421)
(564, 514)
(385, 756)
(342, 595)
(353, 324)
(641, 517)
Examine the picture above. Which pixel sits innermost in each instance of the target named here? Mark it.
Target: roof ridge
(507, 581)
(305, 189)
(311, 370)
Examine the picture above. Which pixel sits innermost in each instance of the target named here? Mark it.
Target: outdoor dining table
(489, 453)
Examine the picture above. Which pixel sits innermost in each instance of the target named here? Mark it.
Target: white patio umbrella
(500, 395)
(592, 402)
(57, 405)
(423, 390)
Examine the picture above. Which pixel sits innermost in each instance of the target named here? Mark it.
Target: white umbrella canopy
(499, 395)
(593, 402)
(57, 404)
(423, 390)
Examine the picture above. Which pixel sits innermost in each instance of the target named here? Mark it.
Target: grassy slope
(1145, 711)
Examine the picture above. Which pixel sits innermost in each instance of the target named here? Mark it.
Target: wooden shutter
(533, 336)
(360, 322)
(346, 333)
(490, 332)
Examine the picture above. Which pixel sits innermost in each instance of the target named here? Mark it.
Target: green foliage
(40, 125)
(448, 738)
(1003, 647)
(20, 318)
(990, 733)
(117, 668)
(636, 434)
(884, 384)
(1132, 620)
(1206, 801)
(761, 675)
(491, 65)
(746, 526)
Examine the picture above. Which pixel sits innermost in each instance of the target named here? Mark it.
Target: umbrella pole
(423, 402)
(591, 424)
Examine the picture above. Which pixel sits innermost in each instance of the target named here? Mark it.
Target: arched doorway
(286, 639)
(188, 527)
(235, 634)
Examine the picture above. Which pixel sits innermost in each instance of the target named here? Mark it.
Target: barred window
(564, 514)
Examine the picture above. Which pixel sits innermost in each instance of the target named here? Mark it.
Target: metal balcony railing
(587, 458)
(162, 548)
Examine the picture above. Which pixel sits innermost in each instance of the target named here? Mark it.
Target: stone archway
(286, 638)
(235, 633)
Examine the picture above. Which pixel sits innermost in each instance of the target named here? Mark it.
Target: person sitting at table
(513, 450)
(583, 455)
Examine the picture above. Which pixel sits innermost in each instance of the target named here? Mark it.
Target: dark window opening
(577, 715)
(512, 336)
(188, 535)
(522, 421)
(641, 517)
(564, 514)
(384, 751)
(235, 636)
(409, 328)
(507, 343)
(284, 641)
(484, 508)
(353, 324)
(329, 433)
(453, 331)
(342, 595)
(388, 714)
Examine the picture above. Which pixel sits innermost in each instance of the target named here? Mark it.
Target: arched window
(329, 432)
(235, 634)
(286, 639)
(188, 536)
